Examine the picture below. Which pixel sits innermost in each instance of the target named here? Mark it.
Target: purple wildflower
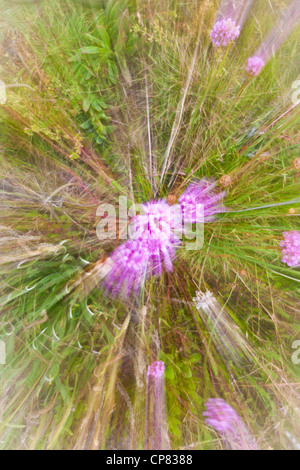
(158, 221)
(156, 369)
(135, 261)
(129, 268)
(152, 248)
(155, 236)
(156, 429)
(287, 22)
(158, 227)
(224, 32)
(201, 192)
(228, 423)
(291, 248)
(236, 10)
(254, 66)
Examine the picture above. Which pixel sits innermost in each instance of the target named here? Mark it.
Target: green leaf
(124, 69)
(187, 371)
(169, 373)
(96, 106)
(95, 40)
(112, 72)
(90, 50)
(86, 125)
(87, 103)
(104, 36)
(196, 357)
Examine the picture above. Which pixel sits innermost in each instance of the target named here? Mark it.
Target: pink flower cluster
(155, 236)
(152, 248)
(254, 66)
(156, 369)
(291, 248)
(224, 32)
(197, 193)
(228, 423)
(220, 415)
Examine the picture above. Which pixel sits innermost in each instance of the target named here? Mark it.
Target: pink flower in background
(291, 248)
(226, 421)
(201, 192)
(156, 427)
(229, 21)
(254, 66)
(288, 20)
(224, 32)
